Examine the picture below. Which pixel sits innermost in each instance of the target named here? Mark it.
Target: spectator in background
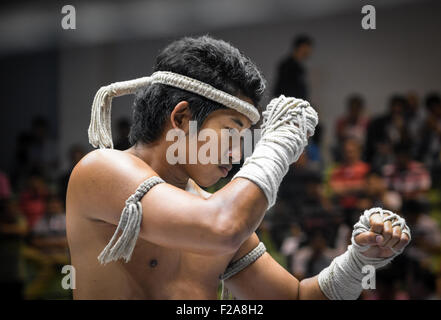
(352, 125)
(33, 198)
(384, 132)
(292, 189)
(414, 116)
(5, 187)
(291, 74)
(387, 286)
(49, 233)
(310, 259)
(291, 243)
(426, 232)
(348, 179)
(22, 165)
(43, 150)
(49, 251)
(13, 230)
(76, 152)
(292, 197)
(291, 81)
(122, 138)
(376, 194)
(407, 177)
(429, 146)
(313, 149)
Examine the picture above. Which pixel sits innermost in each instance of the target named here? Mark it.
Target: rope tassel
(100, 134)
(129, 225)
(100, 131)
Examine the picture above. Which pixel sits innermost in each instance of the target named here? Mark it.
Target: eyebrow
(237, 121)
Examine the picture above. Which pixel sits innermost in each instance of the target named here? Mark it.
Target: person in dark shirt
(385, 131)
(291, 73)
(75, 154)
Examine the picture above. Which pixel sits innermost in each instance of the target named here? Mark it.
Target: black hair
(432, 100)
(209, 60)
(403, 148)
(355, 99)
(301, 40)
(398, 99)
(39, 121)
(414, 206)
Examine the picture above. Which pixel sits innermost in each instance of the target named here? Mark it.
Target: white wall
(402, 54)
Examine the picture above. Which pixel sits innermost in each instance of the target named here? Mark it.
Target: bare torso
(153, 272)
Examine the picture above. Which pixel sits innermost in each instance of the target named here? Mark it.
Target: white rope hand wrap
(287, 122)
(129, 225)
(100, 132)
(342, 280)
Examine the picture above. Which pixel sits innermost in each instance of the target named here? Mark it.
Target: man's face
(402, 160)
(223, 128)
(303, 52)
(355, 110)
(351, 151)
(397, 108)
(436, 110)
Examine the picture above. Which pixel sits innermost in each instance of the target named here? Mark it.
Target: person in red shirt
(33, 199)
(348, 179)
(406, 176)
(353, 124)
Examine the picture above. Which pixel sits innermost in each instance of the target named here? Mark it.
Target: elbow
(229, 233)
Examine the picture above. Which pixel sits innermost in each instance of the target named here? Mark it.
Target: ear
(180, 116)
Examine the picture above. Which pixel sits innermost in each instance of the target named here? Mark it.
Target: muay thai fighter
(140, 227)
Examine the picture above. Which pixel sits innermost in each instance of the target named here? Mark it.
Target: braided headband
(100, 133)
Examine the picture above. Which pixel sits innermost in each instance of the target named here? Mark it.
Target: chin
(206, 181)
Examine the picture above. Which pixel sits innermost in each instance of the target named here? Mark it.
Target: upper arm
(172, 217)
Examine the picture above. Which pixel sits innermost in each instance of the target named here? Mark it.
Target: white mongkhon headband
(100, 133)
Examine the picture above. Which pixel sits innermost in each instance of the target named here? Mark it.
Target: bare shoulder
(105, 178)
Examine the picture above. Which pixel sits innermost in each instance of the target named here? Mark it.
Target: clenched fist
(380, 234)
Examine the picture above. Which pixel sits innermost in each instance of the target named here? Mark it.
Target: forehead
(229, 113)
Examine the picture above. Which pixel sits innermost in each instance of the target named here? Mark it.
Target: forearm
(309, 289)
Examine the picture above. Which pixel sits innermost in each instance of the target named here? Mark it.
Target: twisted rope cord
(237, 266)
(129, 225)
(287, 122)
(100, 132)
(207, 91)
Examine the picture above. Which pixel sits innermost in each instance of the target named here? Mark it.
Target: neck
(153, 154)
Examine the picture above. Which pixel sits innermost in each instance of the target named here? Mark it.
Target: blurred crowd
(391, 160)
(33, 244)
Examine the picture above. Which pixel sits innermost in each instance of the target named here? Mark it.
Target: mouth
(225, 169)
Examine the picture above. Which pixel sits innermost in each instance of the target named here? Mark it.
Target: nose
(235, 153)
